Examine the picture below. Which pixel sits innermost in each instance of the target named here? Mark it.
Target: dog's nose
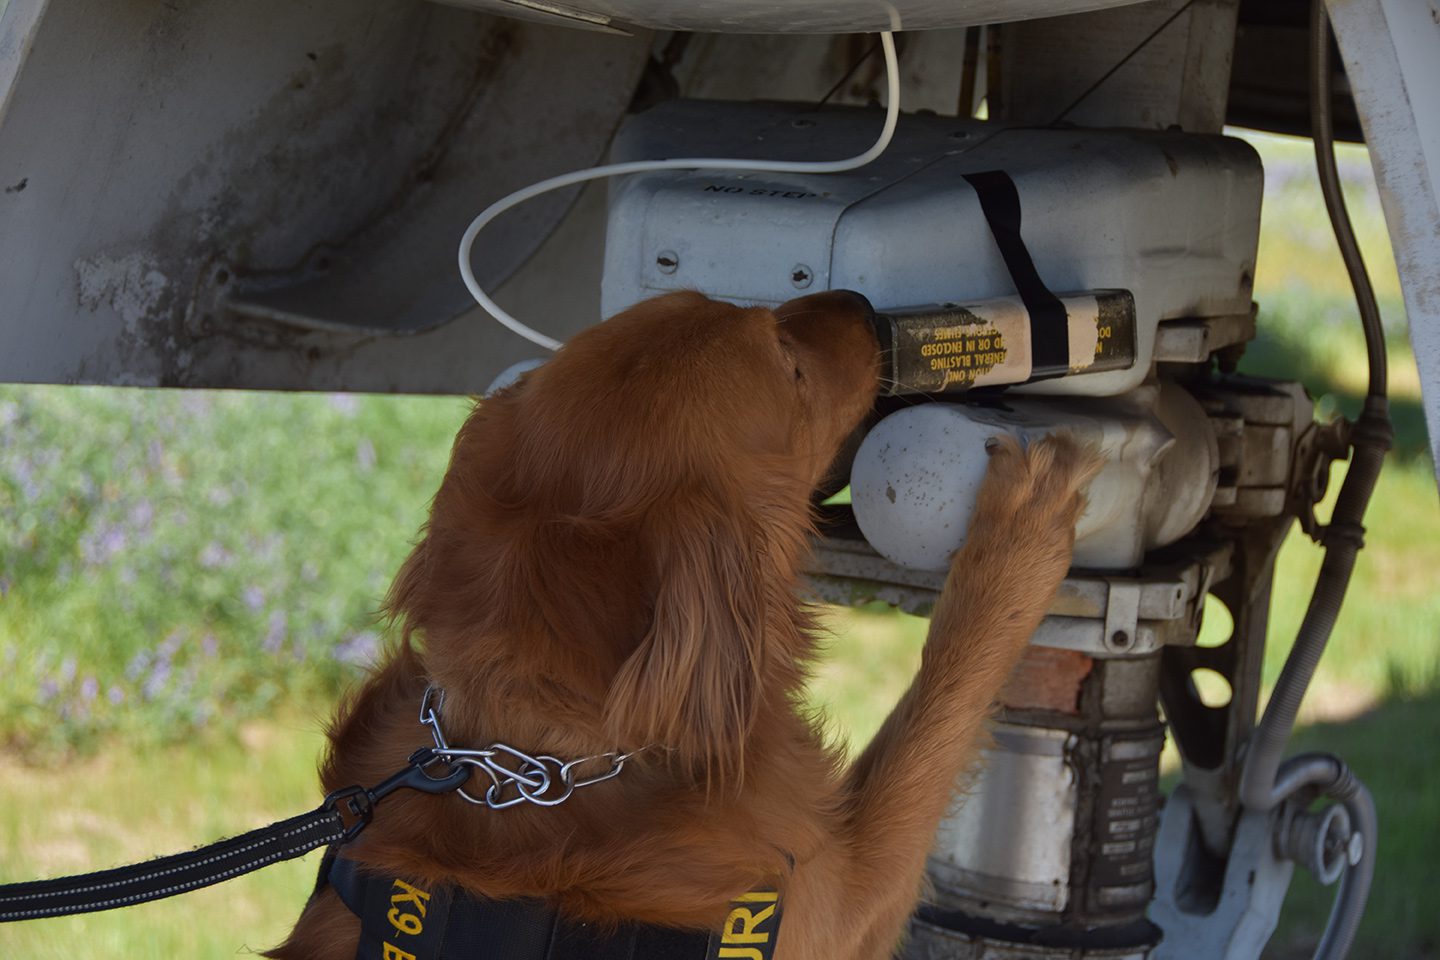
(833, 317)
(829, 303)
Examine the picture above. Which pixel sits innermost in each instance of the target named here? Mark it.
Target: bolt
(1120, 639)
(668, 261)
(801, 276)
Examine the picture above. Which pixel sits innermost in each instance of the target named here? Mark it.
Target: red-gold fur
(611, 562)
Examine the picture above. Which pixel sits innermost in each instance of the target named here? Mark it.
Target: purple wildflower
(346, 404)
(275, 637)
(155, 683)
(357, 650)
(169, 646)
(254, 598)
(138, 664)
(142, 514)
(213, 555)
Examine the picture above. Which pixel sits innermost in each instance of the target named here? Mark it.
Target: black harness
(400, 920)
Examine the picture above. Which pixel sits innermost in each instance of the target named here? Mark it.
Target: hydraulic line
(1265, 783)
(1371, 438)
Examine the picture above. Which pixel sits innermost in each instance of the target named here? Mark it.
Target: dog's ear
(693, 683)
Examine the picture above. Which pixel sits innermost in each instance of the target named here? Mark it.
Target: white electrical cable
(892, 115)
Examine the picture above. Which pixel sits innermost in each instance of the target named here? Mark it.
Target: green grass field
(187, 580)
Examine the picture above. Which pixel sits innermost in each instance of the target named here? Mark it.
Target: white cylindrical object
(915, 478)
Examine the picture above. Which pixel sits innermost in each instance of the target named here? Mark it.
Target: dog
(611, 564)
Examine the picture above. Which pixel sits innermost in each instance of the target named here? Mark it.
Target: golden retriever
(611, 563)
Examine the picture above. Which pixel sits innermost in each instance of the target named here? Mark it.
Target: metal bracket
(1122, 615)
(1317, 449)
(1193, 340)
(1207, 907)
(1099, 615)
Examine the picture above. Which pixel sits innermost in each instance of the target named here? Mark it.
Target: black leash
(336, 821)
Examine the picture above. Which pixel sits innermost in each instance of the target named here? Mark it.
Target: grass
(123, 805)
(182, 573)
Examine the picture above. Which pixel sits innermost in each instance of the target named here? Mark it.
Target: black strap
(415, 921)
(168, 876)
(1049, 329)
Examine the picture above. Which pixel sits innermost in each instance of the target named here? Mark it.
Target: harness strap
(400, 920)
(178, 873)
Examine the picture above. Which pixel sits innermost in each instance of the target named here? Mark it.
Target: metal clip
(360, 802)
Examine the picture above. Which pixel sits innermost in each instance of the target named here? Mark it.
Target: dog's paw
(1031, 497)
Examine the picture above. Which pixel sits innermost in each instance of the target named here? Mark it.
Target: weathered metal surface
(1055, 838)
(1180, 77)
(1391, 50)
(188, 204)
(784, 16)
(1012, 832)
(1260, 426)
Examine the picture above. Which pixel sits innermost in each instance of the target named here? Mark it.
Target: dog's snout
(836, 321)
(830, 303)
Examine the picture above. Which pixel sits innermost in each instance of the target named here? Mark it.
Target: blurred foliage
(172, 558)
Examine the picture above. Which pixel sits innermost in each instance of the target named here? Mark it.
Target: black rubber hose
(1371, 437)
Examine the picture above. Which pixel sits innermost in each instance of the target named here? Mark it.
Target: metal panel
(784, 16)
(1173, 218)
(1180, 77)
(219, 194)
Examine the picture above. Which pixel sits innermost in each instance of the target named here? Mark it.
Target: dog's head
(624, 525)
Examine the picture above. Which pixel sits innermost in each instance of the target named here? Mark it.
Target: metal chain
(544, 780)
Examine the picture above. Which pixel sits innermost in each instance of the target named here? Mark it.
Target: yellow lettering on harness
(392, 952)
(410, 895)
(740, 953)
(404, 922)
(740, 925)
